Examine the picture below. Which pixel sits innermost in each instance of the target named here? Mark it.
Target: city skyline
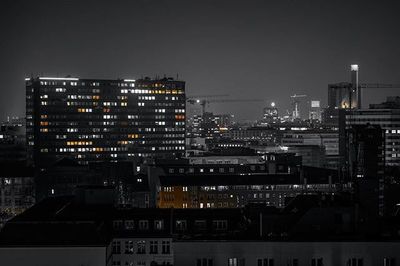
(207, 133)
(215, 47)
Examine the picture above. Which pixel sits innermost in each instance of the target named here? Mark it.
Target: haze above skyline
(247, 49)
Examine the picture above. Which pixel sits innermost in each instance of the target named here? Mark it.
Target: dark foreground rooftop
(69, 221)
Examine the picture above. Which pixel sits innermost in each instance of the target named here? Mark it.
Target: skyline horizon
(266, 49)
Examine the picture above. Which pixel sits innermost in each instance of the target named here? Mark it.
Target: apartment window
(117, 224)
(355, 262)
(153, 247)
(141, 247)
(143, 224)
(389, 262)
(129, 224)
(232, 262)
(265, 262)
(129, 247)
(180, 225)
(200, 224)
(116, 247)
(204, 262)
(220, 224)
(166, 247)
(158, 224)
(317, 262)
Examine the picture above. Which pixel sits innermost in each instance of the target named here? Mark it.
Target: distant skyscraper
(315, 111)
(104, 120)
(270, 114)
(343, 95)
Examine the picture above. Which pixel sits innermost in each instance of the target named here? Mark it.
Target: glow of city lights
(129, 80)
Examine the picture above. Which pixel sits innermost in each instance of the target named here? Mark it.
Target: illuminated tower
(270, 114)
(356, 90)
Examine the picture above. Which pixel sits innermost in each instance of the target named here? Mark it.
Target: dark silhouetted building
(311, 230)
(17, 189)
(366, 158)
(66, 175)
(12, 140)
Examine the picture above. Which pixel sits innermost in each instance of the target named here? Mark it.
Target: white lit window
(158, 224)
(232, 262)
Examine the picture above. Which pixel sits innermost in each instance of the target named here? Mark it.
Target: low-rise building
(17, 190)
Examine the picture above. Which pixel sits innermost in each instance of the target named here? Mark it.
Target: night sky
(251, 49)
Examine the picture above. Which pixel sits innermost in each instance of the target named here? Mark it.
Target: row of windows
(118, 130)
(159, 224)
(290, 262)
(144, 91)
(140, 247)
(141, 224)
(212, 170)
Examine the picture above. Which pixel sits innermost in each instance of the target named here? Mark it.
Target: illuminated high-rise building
(104, 120)
(270, 114)
(315, 111)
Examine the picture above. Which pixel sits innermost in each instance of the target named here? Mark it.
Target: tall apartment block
(104, 120)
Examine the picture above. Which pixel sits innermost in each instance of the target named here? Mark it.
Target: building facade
(17, 190)
(104, 120)
(12, 140)
(328, 139)
(387, 116)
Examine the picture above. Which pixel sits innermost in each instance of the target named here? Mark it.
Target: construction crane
(206, 96)
(379, 86)
(204, 102)
(203, 99)
(362, 86)
(296, 101)
(356, 88)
